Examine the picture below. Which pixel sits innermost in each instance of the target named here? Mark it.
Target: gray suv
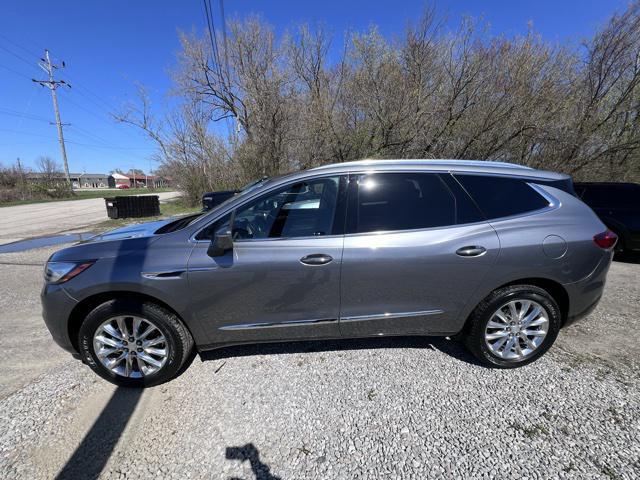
(498, 255)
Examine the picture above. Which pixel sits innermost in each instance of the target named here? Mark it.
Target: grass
(530, 431)
(87, 194)
(167, 209)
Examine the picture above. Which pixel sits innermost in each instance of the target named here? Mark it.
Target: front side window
(303, 209)
(401, 201)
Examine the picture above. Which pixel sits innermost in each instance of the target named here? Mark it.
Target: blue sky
(109, 45)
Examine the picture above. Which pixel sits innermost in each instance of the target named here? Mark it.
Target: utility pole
(53, 84)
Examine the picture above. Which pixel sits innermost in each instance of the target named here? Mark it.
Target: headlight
(60, 272)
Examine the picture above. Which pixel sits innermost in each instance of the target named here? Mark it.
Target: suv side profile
(498, 255)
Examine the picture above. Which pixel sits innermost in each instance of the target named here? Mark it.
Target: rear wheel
(513, 326)
(134, 344)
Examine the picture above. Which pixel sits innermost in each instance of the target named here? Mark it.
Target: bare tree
(281, 104)
(49, 169)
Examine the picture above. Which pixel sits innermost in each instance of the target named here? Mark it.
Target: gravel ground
(382, 408)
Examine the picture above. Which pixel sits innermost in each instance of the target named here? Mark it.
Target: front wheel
(513, 326)
(134, 344)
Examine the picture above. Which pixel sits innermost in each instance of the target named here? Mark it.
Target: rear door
(416, 248)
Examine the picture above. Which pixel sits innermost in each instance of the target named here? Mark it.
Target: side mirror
(220, 244)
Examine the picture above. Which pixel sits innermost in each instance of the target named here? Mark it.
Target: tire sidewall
(115, 308)
(525, 293)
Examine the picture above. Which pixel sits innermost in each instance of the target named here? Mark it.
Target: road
(381, 408)
(24, 221)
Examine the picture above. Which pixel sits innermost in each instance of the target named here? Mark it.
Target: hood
(131, 239)
(137, 230)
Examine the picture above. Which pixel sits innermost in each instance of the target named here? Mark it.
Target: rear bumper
(57, 305)
(585, 295)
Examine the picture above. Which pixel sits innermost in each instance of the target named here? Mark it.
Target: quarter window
(501, 196)
(402, 201)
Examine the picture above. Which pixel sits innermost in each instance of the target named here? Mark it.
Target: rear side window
(501, 196)
(401, 201)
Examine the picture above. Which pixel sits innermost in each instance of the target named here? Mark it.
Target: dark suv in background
(618, 206)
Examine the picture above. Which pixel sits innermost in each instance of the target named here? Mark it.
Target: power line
(19, 57)
(212, 36)
(215, 50)
(19, 132)
(25, 50)
(88, 134)
(108, 147)
(15, 71)
(16, 113)
(81, 107)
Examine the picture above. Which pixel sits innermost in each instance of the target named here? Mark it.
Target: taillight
(606, 239)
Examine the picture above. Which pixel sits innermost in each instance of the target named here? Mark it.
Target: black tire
(475, 334)
(178, 338)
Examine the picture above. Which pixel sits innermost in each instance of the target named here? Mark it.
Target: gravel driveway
(383, 408)
(47, 218)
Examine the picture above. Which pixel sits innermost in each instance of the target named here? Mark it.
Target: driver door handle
(316, 259)
(471, 251)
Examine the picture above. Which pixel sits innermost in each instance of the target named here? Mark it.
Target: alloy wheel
(130, 346)
(517, 329)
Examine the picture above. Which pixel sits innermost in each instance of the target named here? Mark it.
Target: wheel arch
(555, 289)
(85, 306)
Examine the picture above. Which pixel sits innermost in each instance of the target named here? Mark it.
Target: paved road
(24, 221)
(383, 408)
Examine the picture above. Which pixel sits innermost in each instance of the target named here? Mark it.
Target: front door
(282, 278)
(413, 255)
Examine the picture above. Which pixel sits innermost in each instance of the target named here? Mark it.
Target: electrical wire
(15, 71)
(22, 59)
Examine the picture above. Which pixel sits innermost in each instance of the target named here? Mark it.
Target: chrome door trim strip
(380, 316)
(168, 274)
(288, 323)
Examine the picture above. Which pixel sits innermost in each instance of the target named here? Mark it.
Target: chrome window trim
(554, 203)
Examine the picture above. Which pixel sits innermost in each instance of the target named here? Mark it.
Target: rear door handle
(316, 259)
(471, 251)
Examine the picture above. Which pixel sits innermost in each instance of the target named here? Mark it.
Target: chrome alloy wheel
(130, 346)
(516, 329)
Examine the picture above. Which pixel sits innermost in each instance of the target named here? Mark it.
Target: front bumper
(585, 294)
(57, 306)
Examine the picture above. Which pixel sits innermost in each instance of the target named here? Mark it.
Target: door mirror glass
(220, 244)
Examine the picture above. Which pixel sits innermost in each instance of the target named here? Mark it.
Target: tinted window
(303, 209)
(402, 201)
(466, 209)
(219, 226)
(612, 195)
(502, 197)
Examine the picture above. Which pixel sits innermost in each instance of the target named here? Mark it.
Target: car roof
(443, 165)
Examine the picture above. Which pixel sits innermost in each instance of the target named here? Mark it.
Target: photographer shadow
(249, 453)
